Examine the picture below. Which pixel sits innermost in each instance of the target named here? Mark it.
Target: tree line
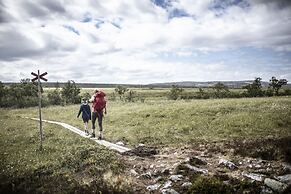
(25, 94)
(219, 90)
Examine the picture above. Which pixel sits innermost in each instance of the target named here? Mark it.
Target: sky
(145, 41)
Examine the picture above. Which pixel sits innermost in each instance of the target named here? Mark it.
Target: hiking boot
(92, 135)
(99, 138)
(86, 132)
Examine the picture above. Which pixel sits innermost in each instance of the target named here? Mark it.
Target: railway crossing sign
(38, 77)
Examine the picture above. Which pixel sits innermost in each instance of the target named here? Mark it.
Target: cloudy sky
(145, 41)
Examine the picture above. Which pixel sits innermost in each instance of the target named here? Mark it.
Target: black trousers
(97, 115)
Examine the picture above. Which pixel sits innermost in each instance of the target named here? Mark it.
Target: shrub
(254, 89)
(201, 94)
(287, 92)
(70, 93)
(20, 95)
(203, 185)
(276, 84)
(54, 97)
(220, 90)
(120, 90)
(175, 92)
(130, 96)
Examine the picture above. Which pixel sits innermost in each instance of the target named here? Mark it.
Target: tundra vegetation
(178, 122)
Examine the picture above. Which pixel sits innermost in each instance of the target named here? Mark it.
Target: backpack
(99, 101)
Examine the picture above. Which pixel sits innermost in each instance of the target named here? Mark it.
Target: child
(86, 114)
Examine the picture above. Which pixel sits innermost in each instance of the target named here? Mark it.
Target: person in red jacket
(98, 106)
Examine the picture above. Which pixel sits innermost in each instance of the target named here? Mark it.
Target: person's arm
(92, 98)
(79, 111)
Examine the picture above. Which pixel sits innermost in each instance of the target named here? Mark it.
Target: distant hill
(230, 84)
(184, 84)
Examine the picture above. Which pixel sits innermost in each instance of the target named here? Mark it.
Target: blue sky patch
(162, 3)
(72, 29)
(98, 23)
(178, 13)
(220, 6)
(116, 25)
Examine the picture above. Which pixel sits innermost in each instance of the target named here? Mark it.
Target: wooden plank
(109, 145)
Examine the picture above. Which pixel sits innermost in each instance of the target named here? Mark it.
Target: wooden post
(39, 109)
(38, 77)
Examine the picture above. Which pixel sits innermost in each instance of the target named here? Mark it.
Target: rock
(133, 172)
(222, 176)
(266, 190)
(176, 178)
(258, 166)
(159, 178)
(141, 145)
(287, 166)
(167, 184)
(169, 191)
(227, 163)
(147, 175)
(143, 151)
(186, 184)
(120, 143)
(264, 171)
(195, 169)
(153, 187)
(197, 161)
(275, 185)
(253, 176)
(285, 179)
(165, 171)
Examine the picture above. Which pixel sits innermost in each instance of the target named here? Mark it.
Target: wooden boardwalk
(112, 146)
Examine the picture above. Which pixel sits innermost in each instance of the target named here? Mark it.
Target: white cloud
(131, 38)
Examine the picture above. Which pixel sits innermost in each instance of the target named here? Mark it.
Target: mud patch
(266, 149)
(143, 151)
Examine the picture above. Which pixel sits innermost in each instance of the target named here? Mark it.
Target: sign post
(38, 77)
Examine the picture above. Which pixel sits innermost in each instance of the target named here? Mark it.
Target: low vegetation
(25, 93)
(67, 163)
(192, 117)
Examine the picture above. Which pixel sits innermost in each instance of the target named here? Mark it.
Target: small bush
(175, 92)
(204, 185)
(54, 97)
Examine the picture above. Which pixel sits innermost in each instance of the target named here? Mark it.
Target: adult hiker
(86, 114)
(99, 104)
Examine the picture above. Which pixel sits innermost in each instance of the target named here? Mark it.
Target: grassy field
(169, 122)
(148, 93)
(71, 163)
(67, 163)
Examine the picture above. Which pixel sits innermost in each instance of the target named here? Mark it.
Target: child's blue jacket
(86, 111)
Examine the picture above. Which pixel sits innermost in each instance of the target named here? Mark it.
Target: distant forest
(184, 84)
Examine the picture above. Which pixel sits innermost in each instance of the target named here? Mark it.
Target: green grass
(170, 122)
(70, 163)
(149, 93)
(66, 164)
